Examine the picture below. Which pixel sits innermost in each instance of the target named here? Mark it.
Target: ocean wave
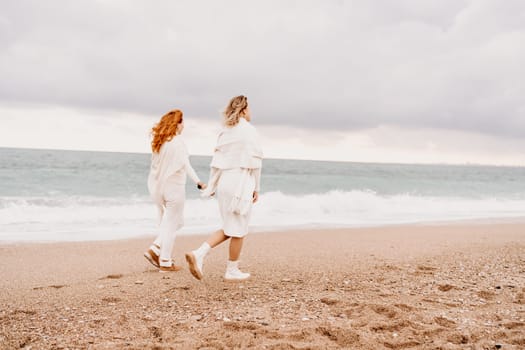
(93, 218)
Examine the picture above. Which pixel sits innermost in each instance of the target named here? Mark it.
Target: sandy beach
(457, 286)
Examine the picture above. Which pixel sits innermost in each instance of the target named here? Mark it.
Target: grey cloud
(316, 64)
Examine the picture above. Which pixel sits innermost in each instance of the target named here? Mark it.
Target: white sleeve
(189, 170)
(257, 174)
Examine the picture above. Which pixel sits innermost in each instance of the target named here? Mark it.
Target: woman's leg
(195, 258)
(153, 252)
(217, 238)
(168, 231)
(171, 222)
(235, 248)
(157, 242)
(232, 267)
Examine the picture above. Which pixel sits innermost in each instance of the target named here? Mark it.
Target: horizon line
(273, 158)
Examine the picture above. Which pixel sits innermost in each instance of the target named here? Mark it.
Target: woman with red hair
(170, 165)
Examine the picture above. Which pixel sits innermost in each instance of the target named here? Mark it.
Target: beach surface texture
(457, 286)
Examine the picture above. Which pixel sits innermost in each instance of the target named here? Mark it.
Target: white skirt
(233, 225)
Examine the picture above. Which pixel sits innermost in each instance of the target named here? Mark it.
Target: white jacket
(173, 161)
(238, 147)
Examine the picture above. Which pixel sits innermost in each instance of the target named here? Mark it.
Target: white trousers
(172, 220)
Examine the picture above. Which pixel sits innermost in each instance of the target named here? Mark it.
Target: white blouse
(170, 165)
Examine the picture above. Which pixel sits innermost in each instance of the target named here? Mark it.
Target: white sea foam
(95, 218)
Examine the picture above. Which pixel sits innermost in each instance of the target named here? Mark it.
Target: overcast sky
(365, 80)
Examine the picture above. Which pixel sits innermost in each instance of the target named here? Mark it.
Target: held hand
(201, 186)
(255, 196)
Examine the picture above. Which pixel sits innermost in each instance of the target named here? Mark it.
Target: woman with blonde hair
(170, 165)
(235, 179)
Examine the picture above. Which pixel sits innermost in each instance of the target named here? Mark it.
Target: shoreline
(418, 287)
(297, 228)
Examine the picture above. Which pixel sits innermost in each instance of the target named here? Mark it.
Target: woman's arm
(190, 171)
(257, 174)
(213, 180)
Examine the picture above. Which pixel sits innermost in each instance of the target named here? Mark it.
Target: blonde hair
(235, 110)
(165, 129)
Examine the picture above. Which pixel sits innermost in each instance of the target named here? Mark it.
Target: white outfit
(167, 187)
(235, 175)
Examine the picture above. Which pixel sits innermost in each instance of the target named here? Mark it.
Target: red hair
(165, 129)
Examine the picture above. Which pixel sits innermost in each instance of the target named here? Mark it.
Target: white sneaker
(195, 261)
(233, 273)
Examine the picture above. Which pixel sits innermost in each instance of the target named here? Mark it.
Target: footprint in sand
(445, 287)
(458, 338)
(401, 345)
(386, 327)
(355, 311)
(518, 341)
(329, 300)
(425, 270)
(156, 332)
(384, 310)
(25, 312)
(113, 277)
(486, 295)
(445, 322)
(57, 286)
(240, 326)
(343, 337)
(404, 307)
(512, 325)
(173, 289)
(111, 299)
(388, 267)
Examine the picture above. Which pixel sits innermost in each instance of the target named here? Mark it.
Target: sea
(56, 195)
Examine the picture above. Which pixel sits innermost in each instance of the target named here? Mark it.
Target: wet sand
(457, 286)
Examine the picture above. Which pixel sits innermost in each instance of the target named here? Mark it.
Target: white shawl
(238, 147)
(170, 158)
